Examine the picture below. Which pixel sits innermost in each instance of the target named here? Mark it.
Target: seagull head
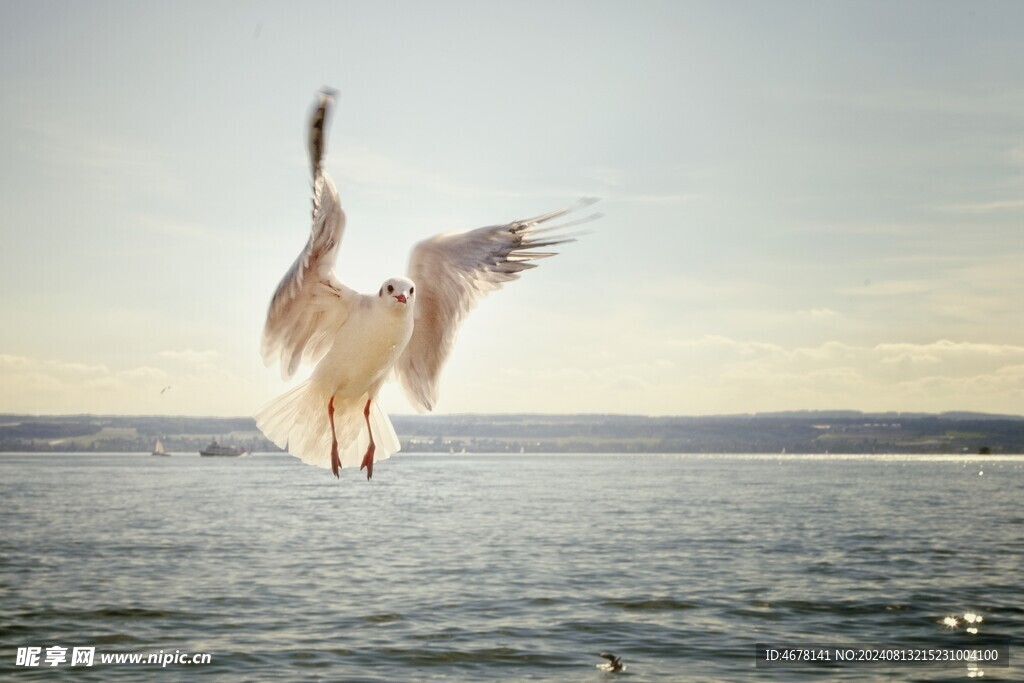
(397, 291)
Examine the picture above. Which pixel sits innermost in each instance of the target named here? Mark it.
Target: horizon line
(768, 413)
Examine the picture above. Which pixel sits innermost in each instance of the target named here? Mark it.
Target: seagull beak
(400, 297)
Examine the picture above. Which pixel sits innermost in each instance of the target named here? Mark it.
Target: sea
(510, 567)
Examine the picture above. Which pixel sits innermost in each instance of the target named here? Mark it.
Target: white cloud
(650, 198)
(718, 374)
(176, 229)
(7, 360)
(891, 288)
(201, 386)
(940, 375)
(190, 356)
(743, 348)
(904, 358)
(145, 373)
(379, 174)
(983, 207)
(94, 159)
(819, 313)
(947, 347)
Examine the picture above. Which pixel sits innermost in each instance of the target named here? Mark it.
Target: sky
(806, 205)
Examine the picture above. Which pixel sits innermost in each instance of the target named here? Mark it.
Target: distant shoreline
(822, 432)
(951, 457)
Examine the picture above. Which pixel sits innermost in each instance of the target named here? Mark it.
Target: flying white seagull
(357, 340)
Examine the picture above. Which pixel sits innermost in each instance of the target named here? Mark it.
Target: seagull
(404, 331)
(614, 663)
(164, 390)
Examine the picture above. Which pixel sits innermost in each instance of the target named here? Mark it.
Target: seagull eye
(411, 290)
(390, 289)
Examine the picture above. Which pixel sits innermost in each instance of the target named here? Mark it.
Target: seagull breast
(367, 346)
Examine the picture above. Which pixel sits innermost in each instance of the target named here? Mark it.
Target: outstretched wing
(451, 273)
(310, 304)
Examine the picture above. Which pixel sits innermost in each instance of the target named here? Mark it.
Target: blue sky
(807, 205)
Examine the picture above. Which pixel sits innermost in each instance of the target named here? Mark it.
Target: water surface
(511, 568)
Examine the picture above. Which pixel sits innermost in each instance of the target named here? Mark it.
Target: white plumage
(356, 340)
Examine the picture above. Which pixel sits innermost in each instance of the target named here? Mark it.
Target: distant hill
(794, 432)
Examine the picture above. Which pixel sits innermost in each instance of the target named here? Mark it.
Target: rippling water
(504, 568)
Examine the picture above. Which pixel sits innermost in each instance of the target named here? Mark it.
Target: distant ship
(158, 448)
(216, 449)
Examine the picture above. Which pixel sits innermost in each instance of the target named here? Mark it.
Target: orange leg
(368, 458)
(335, 461)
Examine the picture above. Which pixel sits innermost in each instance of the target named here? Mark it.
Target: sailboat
(158, 448)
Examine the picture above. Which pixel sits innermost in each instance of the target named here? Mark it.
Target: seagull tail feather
(297, 421)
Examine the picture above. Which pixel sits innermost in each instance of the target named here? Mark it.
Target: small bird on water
(614, 664)
(357, 341)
